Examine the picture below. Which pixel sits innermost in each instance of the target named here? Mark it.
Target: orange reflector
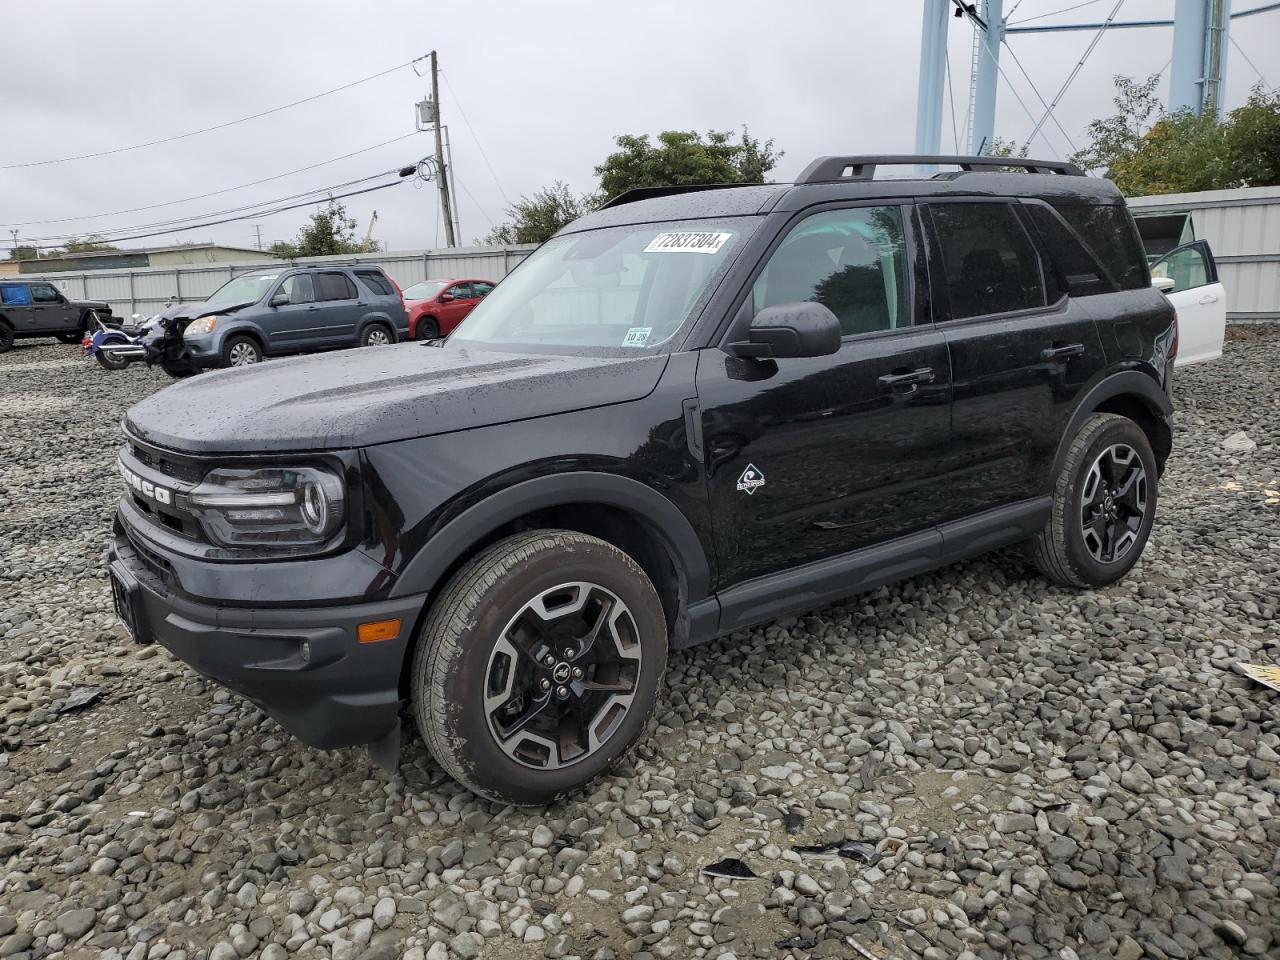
(378, 631)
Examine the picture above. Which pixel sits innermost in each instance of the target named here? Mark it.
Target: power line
(1240, 50)
(955, 133)
(247, 209)
(484, 156)
(218, 126)
(1079, 66)
(1043, 16)
(213, 193)
(1036, 91)
(250, 216)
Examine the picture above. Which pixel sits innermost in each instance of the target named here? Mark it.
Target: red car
(437, 306)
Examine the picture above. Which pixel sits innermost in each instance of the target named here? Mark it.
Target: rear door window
(1078, 271)
(334, 286)
(481, 289)
(989, 262)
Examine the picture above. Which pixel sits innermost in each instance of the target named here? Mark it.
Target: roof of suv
(823, 181)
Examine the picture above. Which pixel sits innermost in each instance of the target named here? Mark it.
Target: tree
(23, 252)
(90, 244)
(1147, 150)
(685, 157)
(536, 218)
(330, 233)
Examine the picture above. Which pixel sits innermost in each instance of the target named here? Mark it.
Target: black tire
(6, 337)
(1073, 553)
(240, 351)
(85, 330)
(377, 335)
(427, 329)
(110, 363)
(458, 649)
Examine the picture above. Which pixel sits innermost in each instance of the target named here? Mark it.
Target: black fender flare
(457, 537)
(1131, 383)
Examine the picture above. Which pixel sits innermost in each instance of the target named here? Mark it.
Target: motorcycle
(154, 340)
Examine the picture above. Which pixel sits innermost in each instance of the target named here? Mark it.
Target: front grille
(170, 464)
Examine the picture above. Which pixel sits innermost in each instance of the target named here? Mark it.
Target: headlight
(198, 328)
(273, 507)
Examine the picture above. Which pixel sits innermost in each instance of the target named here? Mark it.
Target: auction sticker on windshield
(686, 242)
(637, 337)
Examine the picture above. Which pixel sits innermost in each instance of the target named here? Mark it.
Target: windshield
(424, 290)
(613, 291)
(246, 289)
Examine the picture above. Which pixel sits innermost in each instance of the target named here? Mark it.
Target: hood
(190, 311)
(371, 395)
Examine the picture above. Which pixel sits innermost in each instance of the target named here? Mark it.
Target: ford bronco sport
(691, 411)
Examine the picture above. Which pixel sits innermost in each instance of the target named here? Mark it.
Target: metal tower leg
(933, 64)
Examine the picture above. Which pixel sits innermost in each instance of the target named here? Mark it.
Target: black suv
(36, 308)
(691, 411)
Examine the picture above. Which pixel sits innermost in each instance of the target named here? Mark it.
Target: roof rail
(648, 193)
(832, 169)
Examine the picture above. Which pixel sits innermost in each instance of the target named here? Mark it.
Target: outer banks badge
(751, 480)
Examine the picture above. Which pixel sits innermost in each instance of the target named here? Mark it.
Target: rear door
(455, 303)
(1021, 351)
(16, 307)
(340, 309)
(50, 312)
(812, 457)
(1199, 298)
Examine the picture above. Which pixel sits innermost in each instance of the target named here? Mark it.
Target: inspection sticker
(687, 242)
(637, 337)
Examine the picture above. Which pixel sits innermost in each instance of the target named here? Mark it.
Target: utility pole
(442, 176)
(258, 227)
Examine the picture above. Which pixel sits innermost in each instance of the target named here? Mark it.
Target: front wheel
(241, 352)
(427, 329)
(539, 666)
(1104, 504)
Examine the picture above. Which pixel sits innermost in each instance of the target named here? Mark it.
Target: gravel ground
(1041, 773)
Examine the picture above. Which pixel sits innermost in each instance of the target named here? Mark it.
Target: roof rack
(648, 193)
(832, 169)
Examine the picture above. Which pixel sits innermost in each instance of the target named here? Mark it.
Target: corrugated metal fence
(1243, 230)
(145, 290)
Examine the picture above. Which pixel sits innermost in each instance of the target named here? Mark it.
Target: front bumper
(302, 666)
(204, 351)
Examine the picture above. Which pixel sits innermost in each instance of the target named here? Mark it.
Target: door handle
(907, 378)
(1208, 298)
(1063, 352)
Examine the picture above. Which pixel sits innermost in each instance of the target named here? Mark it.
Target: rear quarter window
(376, 282)
(1112, 237)
(15, 295)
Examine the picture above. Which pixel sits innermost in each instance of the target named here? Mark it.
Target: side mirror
(279, 300)
(806, 329)
(1163, 284)
(445, 298)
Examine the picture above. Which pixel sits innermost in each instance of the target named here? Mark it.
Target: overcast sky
(545, 85)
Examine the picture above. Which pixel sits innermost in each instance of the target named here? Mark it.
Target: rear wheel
(88, 326)
(539, 666)
(241, 352)
(428, 329)
(109, 361)
(1104, 505)
(6, 337)
(376, 335)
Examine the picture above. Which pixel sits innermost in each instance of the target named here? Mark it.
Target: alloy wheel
(562, 675)
(377, 337)
(243, 354)
(1113, 503)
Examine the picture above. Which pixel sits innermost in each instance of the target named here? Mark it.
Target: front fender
(478, 521)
